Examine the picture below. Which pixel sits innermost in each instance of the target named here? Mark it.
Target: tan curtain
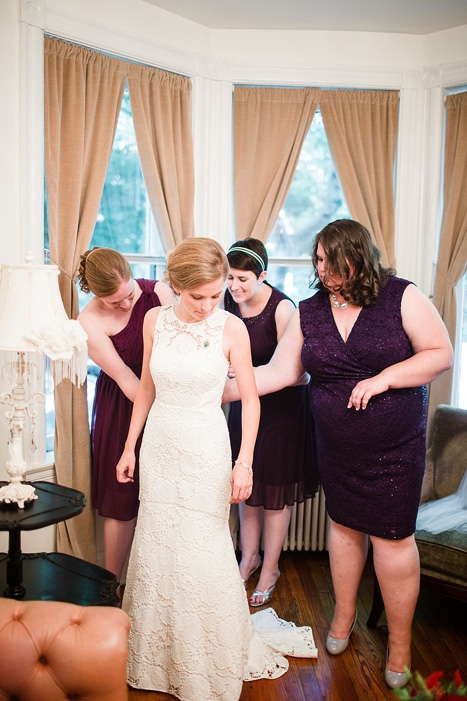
(160, 102)
(361, 127)
(83, 93)
(270, 125)
(452, 255)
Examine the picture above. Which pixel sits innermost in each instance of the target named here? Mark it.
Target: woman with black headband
(283, 457)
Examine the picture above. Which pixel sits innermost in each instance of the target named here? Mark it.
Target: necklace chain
(337, 304)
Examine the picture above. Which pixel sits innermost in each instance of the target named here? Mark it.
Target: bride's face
(198, 303)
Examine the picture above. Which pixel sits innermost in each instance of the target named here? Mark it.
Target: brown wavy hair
(351, 254)
(102, 271)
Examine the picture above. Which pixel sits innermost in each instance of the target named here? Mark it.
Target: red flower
(435, 687)
(432, 681)
(457, 679)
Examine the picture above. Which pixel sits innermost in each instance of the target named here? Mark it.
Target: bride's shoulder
(231, 321)
(234, 327)
(151, 316)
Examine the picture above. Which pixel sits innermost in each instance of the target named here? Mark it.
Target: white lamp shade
(29, 298)
(33, 320)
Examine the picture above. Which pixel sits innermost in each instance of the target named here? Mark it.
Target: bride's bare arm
(144, 399)
(237, 348)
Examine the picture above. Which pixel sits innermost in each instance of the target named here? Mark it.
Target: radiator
(307, 529)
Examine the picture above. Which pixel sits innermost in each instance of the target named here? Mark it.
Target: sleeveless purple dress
(370, 462)
(283, 460)
(111, 414)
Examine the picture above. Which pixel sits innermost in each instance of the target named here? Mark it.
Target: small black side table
(52, 576)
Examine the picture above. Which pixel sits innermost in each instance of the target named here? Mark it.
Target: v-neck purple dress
(371, 462)
(111, 415)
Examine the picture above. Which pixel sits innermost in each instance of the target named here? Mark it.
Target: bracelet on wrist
(246, 465)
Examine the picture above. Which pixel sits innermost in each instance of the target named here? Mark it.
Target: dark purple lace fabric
(370, 462)
(283, 462)
(111, 414)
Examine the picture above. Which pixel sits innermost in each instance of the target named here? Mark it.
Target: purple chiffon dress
(370, 462)
(111, 414)
(283, 461)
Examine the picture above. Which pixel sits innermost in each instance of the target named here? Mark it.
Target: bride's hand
(126, 467)
(241, 483)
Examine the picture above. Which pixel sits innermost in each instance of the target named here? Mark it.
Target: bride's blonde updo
(195, 262)
(102, 271)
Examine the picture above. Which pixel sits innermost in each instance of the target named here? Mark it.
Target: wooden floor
(304, 596)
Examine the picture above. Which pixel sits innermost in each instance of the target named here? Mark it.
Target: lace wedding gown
(191, 632)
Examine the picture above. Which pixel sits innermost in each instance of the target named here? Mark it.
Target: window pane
(294, 280)
(125, 220)
(315, 198)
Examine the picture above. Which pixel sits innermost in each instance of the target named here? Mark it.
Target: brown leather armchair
(52, 651)
(443, 556)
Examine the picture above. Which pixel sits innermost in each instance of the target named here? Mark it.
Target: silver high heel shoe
(251, 573)
(265, 595)
(335, 646)
(394, 680)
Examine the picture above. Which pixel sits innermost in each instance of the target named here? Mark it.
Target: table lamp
(34, 331)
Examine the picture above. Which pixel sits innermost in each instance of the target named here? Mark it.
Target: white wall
(419, 66)
(9, 132)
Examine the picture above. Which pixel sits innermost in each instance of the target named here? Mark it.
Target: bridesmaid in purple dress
(370, 342)
(283, 463)
(113, 321)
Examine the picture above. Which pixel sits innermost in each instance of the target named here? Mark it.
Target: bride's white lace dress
(191, 632)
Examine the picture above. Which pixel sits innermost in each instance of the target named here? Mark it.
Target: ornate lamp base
(17, 493)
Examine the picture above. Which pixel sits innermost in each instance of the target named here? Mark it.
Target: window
(125, 220)
(315, 198)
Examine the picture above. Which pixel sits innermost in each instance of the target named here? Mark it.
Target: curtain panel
(161, 105)
(83, 93)
(270, 125)
(361, 127)
(452, 255)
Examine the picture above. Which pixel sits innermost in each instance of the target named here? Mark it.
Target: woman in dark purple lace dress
(113, 321)
(283, 463)
(370, 342)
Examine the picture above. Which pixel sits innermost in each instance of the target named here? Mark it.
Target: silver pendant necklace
(337, 304)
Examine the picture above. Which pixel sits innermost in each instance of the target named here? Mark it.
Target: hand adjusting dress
(191, 633)
(111, 415)
(370, 462)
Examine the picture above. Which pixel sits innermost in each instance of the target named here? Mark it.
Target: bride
(192, 635)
